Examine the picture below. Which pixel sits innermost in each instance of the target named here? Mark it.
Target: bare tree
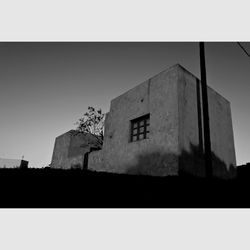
(92, 122)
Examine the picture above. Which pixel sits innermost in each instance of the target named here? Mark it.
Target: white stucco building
(156, 128)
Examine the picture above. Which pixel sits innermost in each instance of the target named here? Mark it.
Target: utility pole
(207, 142)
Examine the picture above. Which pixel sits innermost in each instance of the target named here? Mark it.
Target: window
(140, 128)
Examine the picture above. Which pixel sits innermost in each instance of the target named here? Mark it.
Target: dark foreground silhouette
(48, 188)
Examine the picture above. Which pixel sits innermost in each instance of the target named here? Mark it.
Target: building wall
(157, 155)
(60, 152)
(191, 141)
(69, 150)
(221, 132)
(191, 128)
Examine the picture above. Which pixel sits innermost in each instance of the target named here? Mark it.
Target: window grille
(140, 128)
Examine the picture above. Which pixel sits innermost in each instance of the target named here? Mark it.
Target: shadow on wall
(186, 164)
(76, 166)
(192, 163)
(155, 164)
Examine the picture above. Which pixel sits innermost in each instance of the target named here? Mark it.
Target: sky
(46, 87)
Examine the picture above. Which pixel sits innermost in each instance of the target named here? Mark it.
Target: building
(13, 163)
(156, 129)
(70, 150)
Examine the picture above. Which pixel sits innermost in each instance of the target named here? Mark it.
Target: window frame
(136, 125)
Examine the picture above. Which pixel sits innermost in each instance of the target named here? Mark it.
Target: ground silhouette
(48, 188)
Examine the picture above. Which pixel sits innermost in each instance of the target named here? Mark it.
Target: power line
(243, 49)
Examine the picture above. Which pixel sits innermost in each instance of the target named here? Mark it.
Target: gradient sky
(46, 87)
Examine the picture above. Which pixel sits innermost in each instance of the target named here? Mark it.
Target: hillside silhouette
(51, 188)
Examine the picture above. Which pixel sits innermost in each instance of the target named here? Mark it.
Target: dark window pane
(141, 136)
(142, 123)
(142, 129)
(134, 138)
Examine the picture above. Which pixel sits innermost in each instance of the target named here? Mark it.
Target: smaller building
(71, 150)
(13, 163)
